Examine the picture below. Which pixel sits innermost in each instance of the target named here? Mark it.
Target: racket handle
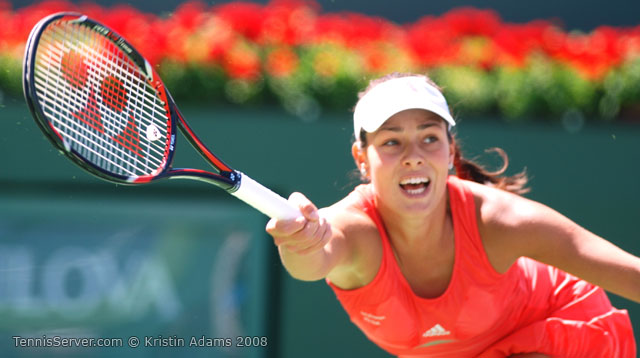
(265, 200)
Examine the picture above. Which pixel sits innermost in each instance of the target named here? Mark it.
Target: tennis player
(431, 264)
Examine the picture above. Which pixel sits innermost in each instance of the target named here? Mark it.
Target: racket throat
(229, 181)
(233, 178)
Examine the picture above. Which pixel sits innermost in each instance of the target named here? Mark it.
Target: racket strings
(90, 112)
(99, 101)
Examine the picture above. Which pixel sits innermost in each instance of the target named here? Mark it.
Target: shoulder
(349, 213)
(511, 225)
(499, 209)
(356, 235)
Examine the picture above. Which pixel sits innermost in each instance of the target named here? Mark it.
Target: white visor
(396, 95)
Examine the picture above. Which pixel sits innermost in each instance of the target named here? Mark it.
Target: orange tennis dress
(531, 308)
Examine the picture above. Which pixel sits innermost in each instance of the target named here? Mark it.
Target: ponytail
(469, 170)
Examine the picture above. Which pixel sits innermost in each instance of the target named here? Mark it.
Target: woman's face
(407, 160)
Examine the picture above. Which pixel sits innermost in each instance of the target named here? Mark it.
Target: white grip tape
(265, 200)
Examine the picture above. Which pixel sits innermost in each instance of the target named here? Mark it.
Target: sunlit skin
(410, 147)
(411, 144)
(407, 161)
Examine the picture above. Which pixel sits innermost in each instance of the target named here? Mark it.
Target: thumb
(307, 208)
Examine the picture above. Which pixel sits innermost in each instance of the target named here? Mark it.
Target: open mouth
(415, 185)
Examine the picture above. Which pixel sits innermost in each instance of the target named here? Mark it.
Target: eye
(431, 139)
(389, 143)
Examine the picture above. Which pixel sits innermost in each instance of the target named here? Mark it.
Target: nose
(412, 158)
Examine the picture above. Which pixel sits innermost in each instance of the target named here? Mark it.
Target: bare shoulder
(499, 208)
(349, 216)
(509, 223)
(355, 234)
(512, 226)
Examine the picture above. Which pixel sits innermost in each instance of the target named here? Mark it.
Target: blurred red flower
(281, 62)
(242, 62)
(283, 37)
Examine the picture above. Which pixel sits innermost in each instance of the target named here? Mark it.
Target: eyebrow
(399, 129)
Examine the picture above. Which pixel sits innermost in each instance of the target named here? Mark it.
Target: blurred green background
(573, 14)
(80, 257)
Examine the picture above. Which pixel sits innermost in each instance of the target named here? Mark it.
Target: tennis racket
(102, 105)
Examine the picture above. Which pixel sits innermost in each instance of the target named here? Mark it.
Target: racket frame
(227, 178)
(233, 181)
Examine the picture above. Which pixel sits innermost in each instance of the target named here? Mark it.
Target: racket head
(98, 100)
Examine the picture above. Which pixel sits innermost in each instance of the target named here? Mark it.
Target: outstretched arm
(515, 226)
(315, 246)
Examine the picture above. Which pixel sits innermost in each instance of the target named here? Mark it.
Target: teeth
(415, 180)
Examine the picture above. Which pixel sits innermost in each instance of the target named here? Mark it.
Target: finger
(299, 239)
(307, 208)
(285, 227)
(319, 240)
(290, 226)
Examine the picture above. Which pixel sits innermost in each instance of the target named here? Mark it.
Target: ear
(452, 152)
(359, 156)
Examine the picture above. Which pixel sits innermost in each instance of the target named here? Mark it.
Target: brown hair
(465, 168)
(470, 170)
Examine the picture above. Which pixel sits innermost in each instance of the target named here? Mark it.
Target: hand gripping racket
(103, 105)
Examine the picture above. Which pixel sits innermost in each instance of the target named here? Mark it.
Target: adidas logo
(436, 331)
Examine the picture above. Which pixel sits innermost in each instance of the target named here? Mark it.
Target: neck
(428, 229)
